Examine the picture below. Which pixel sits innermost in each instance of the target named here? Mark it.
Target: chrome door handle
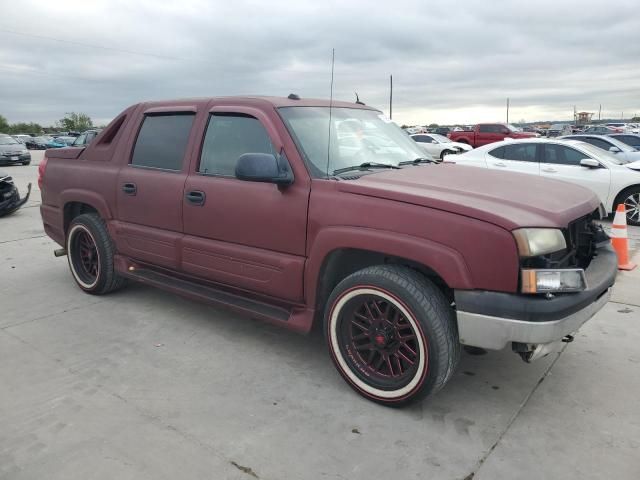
(550, 170)
(499, 164)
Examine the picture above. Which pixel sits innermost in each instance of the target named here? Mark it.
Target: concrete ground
(144, 385)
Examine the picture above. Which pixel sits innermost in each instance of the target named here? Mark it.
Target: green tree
(433, 125)
(75, 122)
(23, 127)
(4, 125)
(634, 119)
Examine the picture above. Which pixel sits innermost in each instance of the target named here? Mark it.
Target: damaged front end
(10, 200)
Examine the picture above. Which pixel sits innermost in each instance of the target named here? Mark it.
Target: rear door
(563, 163)
(245, 234)
(150, 187)
(515, 157)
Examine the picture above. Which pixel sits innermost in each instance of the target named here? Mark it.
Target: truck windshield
(347, 137)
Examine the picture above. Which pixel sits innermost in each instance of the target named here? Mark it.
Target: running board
(196, 291)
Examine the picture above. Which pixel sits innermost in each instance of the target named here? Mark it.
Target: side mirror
(614, 150)
(590, 163)
(264, 167)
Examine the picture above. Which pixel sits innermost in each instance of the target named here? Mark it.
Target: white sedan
(439, 146)
(612, 178)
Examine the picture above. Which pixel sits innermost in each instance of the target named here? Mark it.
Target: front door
(244, 234)
(563, 163)
(150, 189)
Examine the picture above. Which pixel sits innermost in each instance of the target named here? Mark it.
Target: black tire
(26, 163)
(630, 197)
(444, 153)
(423, 311)
(91, 229)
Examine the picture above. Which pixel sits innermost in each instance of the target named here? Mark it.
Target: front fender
(445, 261)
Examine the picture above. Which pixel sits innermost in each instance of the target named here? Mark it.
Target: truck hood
(509, 200)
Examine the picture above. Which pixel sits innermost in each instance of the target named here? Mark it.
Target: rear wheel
(90, 253)
(630, 198)
(391, 334)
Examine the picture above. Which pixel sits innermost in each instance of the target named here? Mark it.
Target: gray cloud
(451, 62)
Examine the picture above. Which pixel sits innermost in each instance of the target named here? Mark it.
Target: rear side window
(561, 155)
(162, 141)
(525, 152)
(490, 128)
(228, 137)
(497, 152)
(596, 142)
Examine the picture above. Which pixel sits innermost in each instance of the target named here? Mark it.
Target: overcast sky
(451, 63)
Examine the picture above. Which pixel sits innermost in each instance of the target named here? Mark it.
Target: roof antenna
(333, 57)
(358, 99)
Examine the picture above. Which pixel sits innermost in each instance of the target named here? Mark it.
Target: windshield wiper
(363, 166)
(419, 160)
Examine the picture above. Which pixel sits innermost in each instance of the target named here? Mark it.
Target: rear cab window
(162, 141)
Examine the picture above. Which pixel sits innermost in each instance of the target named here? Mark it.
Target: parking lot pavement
(141, 384)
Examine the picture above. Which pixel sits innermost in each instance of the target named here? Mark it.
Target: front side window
(162, 141)
(561, 155)
(228, 137)
(524, 152)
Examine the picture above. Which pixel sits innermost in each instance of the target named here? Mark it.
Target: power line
(88, 45)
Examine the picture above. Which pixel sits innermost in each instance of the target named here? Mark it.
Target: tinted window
(227, 138)
(597, 142)
(562, 155)
(491, 128)
(421, 138)
(162, 141)
(497, 152)
(81, 140)
(525, 152)
(629, 140)
(428, 139)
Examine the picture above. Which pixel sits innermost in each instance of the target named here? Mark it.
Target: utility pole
(575, 115)
(507, 109)
(599, 111)
(390, 97)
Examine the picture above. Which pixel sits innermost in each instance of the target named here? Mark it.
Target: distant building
(583, 118)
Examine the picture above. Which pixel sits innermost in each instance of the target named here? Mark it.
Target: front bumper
(15, 159)
(491, 320)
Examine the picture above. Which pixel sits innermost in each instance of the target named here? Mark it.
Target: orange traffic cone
(619, 239)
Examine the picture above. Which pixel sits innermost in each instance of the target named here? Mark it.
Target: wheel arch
(346, 250)
(76, 202)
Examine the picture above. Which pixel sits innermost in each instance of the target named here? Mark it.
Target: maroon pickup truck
(294, 212)
(484, 133)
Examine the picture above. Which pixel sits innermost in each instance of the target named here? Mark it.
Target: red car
(484, 133)
(254, 204)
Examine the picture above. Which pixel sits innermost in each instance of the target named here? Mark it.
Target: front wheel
(445, 153)
(392, 334)
(631, 200)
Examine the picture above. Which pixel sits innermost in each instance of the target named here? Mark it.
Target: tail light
(41, 169)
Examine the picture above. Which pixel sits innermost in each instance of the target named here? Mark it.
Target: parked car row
(57, 140)
(606, 166)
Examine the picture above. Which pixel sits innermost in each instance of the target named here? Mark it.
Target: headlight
(539, 241)
(545, 281)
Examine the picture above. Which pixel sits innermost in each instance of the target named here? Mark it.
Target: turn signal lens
(551, 281)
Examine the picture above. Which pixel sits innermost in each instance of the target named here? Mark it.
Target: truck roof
(256, 100)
